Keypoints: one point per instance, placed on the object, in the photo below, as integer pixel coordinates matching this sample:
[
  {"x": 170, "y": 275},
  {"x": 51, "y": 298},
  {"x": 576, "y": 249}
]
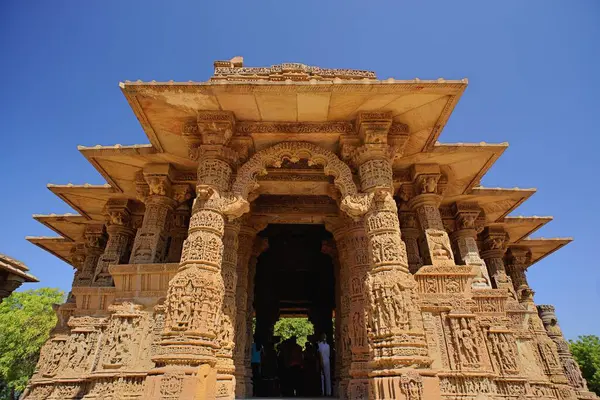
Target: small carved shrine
[{"x": 299, "y": 190}]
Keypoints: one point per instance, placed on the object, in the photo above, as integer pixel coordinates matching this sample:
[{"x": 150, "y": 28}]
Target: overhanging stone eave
[
  {"x": 50, "y": 221},
  {"x": 497, "y": 149},
  {"x": 96, "y": 155},
  {"x": 453, "y": 89},
  {"x": 62, "y": 191},
  {"x": 522, "y": 195},
  {"x": 534, "y": 224},
  {"x": 46, "y": 243},
  {"x": 541, "y": 247}
]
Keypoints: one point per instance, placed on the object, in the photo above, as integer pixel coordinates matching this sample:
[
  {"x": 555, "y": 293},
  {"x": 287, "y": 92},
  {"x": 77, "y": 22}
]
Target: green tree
[
  {"x": 299, "y": 327},
  {"x": 26, "y": 319},
  {"x": 586, "y": 350}
]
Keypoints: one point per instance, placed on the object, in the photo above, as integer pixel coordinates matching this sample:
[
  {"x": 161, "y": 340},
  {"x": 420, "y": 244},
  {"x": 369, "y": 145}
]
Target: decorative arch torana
[{"x": 353, "y": 202}]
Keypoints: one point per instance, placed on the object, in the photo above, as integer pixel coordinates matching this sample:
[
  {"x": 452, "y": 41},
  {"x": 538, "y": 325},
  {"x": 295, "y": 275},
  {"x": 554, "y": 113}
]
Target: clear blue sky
[{"x": 533, "y": 67}]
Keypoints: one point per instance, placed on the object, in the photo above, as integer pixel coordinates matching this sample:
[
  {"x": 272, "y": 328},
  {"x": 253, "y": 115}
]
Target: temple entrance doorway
[{"x": 294, "y": 288}]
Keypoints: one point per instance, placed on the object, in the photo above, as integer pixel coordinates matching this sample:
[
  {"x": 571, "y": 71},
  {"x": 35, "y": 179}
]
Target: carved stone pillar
[
  {"x": 410, "y": 235},
  {"x": 436, "y": 246},
  {"x": 397, "y": 339},
  {"x": 351, "y": 243},
  {"x": 95, "y": 240},
  {"x": 178, "y": 232},
  {"x": 150, "y": 245},
  {"x": 120, "y": 236},
  {"x": 465, "y": 239},
  {"x": 516, "y": 262},
  {"x": 243, "y": 372},
  {"x": 570, "y": 366},
  {"x": 186, "y": 362},
  {"x": 495, "y": 240},
  {"x": 260, "y": 245}
]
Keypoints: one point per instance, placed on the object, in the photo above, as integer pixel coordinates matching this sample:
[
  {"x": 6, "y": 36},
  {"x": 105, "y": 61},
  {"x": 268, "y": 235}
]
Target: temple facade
[{"x": 298, "y": 190}]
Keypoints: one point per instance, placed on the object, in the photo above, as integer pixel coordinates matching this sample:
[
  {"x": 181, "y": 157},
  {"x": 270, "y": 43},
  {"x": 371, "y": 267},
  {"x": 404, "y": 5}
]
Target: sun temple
[{"x": 294, "y": 190}]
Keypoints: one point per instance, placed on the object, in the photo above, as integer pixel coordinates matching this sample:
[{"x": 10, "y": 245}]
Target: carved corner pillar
[
  {"x": 120, "y": 236},
  {"x": 410, "y": 234},
  {"x": 396, "y": 333},
  {"x": 187, "y": 364},
  {"x": 495, "y": 241},
  {"x": 150, "y": 245},
  {"x": 352, "y": 250},
  {"x": 243, "y": 372},
  {"x": 95, "y": 241},
  {"x": 424, "y": 201},
  {"x": 465, "y": 240},
  {"x": 569, "y": 365},
  {"x": 259, "y": 246}
]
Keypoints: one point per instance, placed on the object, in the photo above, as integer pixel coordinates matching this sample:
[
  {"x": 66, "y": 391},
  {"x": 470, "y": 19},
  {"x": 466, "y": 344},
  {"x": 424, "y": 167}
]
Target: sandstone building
[{"x": 258, "y": 181}]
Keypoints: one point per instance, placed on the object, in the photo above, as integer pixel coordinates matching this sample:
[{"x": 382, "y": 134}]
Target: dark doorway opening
[{"x": 294, "y": 279}]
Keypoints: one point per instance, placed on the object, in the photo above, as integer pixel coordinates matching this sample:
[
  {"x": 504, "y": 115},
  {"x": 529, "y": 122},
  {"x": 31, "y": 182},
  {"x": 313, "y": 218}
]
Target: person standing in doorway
[{"x": 325, "y": 357}]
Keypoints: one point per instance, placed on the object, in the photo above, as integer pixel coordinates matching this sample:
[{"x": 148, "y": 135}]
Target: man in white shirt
[{"x": 324, "y": 356}]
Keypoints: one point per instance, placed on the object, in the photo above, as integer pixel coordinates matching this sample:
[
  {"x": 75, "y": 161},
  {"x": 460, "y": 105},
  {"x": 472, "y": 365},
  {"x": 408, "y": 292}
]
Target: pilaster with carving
[
  {"x": 329, "y": 248},
  {"x": 259, "y": 246},
  {"x": 150, "y": 245},
  {"x": 120, "y": 236},
  {"x": 465, "y": 240},
  {"x": 243, "y": 372},
  {"x": 352, "y": 245}
]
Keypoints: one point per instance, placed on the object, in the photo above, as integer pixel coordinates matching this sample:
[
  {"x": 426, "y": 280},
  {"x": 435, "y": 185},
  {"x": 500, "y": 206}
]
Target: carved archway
[{"x": 353, "y": 202}]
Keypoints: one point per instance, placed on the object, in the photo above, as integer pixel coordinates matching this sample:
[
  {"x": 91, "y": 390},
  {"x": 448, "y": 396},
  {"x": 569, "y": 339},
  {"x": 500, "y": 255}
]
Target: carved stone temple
[{"x": 298, "y": 190}]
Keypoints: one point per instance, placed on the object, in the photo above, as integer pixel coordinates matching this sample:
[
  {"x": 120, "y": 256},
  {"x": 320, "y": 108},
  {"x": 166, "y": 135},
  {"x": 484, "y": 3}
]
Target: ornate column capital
[
  {"x": 95, "y": 238},
  {"x": 376, "y": 137},
  {"x": 118, "y": 213},
  {"x": 465, "y": 216},
  {"x": 495, "y": 242}
]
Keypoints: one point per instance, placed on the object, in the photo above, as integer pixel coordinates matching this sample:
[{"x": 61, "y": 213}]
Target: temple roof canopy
[{"x": 164, "y": 108}]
